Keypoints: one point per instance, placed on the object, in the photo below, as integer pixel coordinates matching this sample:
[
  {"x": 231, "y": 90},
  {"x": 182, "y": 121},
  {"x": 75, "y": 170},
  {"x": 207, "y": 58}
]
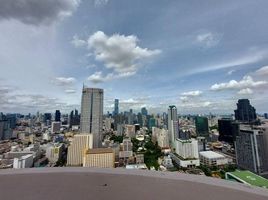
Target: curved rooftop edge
[{"x": 98, "y": 183}]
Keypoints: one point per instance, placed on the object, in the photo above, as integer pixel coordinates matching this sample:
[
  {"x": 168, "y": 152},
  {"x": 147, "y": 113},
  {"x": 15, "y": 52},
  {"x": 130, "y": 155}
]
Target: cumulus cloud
[
  {"x": 63, "y": 81},
  {"x": 262, "y": 71},
  {"x": 119, "y": 52},
  {"x": 192, "y": 93},
  {"x": 36, "y": 12},
  {"x": 245, "y": 91},
  {"x": 208, "y": 39},
  {"x": 78, "y": 42},
  {"x": 246, "y": 82}
]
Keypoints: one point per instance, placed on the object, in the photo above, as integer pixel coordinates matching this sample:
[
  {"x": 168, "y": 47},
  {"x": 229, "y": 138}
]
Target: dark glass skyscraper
[
  {"x": 116, "y": 106},
  {"x": 245, "y": 112},
  {"x": 201, "y": 125},
  {"x": 228, "y": 130},
  {"x": 144, "y": 111},
  {"x": 57, "y": 116}
]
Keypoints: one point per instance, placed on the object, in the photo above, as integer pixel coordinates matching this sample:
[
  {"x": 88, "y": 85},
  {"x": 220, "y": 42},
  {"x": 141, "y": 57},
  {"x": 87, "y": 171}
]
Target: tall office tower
[
  {"x": 251, "y": 149},
  {"x": 47, "y": 118},
  {"x": 201, "y": 125},
  {"x": 92, "y": 114},
  {"x": 57, "y": 116},
  {"x": 266, "y": 115},
  {"x": 173, "y": 126},
  {"x": 245, "y": 112},
  {"x": 228, "y": 130},
  {"x": 116, "y": 106},
  {"x": 144, "y": 111},
  {"x": 80, "y": 143}
]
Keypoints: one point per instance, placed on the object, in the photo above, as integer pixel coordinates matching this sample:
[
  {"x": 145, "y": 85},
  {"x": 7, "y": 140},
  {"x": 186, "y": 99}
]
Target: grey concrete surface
[{"x": 99, "y": 184}]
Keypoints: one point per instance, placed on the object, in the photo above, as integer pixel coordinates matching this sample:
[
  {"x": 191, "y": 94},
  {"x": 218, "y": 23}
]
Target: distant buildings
[
  {"x": 251, "y": 148},
  {"x": 74, "y": 118},
  {"x": 92, "y": 114},
  {"x": 101, "y": 157},
  {"x": 201, "y": 124},
  {"x": 144, "y": 111},
  {"x": 80, "y": 143},
  {"x": 245, "y": 112},
  {"x": 211, "y": 158}
]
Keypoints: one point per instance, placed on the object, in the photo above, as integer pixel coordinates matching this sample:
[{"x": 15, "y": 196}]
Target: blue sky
[{"x": 199, "y": 55}]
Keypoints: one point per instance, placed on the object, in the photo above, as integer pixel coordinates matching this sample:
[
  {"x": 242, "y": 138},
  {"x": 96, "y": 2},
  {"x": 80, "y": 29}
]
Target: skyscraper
[
  {"x": 57, "y": 116},
  {"x": 173, "y": 127},
  {"x": 116, "y": 106},
  {"x": 201, "y": 125},
  {"x": 251, "y": 149},
  {"x": 228, "y": 130},
  {"x": 92, "y": 114},
  {"x": 245, "y": 112},
  {"x": 144, "y": 111}
]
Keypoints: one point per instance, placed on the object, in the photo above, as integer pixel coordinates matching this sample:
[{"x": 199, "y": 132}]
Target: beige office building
[
  {"x": 76, "y": 150},
  {"x": 101, "y": 157}
]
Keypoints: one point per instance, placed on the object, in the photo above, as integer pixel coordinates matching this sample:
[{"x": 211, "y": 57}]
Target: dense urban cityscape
[
  {"x": 133, "y": 99},
  {"x": 230, "y": 147}
]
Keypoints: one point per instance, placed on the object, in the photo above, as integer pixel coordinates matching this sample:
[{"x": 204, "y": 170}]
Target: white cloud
[
  {"x": 246, "y": 59},
  {"x": 208, "y": 39},
  {"x": 70, "y": 91},
  {"x": 192, "y": 93},
  {"x": 64, "y": 81},
  {"x": 78, "y": 42},
  {"x": 36, "y": 12},
  {"x": 246, "y": 82},
  {"x": 98, "y": 77},
  {"x": 99, "y": 3},
  {"x": 245, "y": 91},
  {"x": 119, "y": 52},
  {"x": 231, "y": 72},
  {"x": 262, "y": 71}
]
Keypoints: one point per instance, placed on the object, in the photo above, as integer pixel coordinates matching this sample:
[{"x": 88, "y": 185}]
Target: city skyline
[{"x": 199, "y": 57}]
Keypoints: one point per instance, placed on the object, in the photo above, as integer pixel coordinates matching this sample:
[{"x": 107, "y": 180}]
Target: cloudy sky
[{"x": 199, "y": 55}]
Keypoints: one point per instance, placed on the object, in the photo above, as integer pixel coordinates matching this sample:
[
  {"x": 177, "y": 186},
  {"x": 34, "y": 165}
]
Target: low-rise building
[
  {"x": 101, "y": 157},
  {"x": 211, "y": 158},
  {"x": 23, "y": 162}
]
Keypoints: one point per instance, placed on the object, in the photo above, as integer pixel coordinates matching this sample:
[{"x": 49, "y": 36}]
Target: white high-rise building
[
  {"x": 173, "y": 127},
  {"x": 92, "y": 114},
  {"x": 80, "y": 143}
]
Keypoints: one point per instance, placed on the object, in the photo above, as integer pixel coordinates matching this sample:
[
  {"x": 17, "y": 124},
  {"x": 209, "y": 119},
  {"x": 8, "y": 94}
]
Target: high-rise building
[
  {"x": 57, "y": 116},
  {"x": 144, "y": 111},
  {"x": 245, "y": 112},
  {"x": 251, "y": 149},
  {"x": 55, "y": 127},
  {"x": 266, "y": 115},
  {"x": 201, "y": 125},
  {"x": 74, "y": 118},
  {"x": 173, "y": 126},
  {"x": 80, "y": 143},
  {"x": 228, "y": 130},
  {"x": 92, "y": 114},
  {"x": 116, "y": 106},
  {"x": 152, "y": 123}
]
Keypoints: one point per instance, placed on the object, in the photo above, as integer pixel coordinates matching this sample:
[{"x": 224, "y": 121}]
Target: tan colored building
[
  {"x": 101, "y": 157},
  {"x": 79, "y": 144}
]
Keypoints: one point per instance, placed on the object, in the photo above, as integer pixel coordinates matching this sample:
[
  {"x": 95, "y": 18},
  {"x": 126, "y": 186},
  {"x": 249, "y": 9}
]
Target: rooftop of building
[
  {"x": 99, "y": 151},
  {"x": 250, "y": 178},
  {"x": 211, "y": 154},
  {"x": 92, "y": 183}
]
